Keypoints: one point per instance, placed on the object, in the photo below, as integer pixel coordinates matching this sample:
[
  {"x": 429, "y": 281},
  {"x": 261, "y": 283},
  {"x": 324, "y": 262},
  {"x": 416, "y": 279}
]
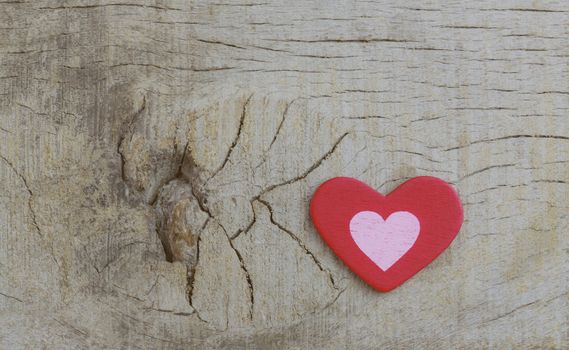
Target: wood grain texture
[{"x": 157, "y": 158}]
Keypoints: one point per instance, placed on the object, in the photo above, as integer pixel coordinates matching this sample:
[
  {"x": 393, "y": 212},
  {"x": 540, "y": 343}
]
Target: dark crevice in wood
[
  {"x": 245, "y": 271},
  {"x": 30, "y": 194},
  {"x": 299, "y": 242},
  {"x": 237, "y": 137}
]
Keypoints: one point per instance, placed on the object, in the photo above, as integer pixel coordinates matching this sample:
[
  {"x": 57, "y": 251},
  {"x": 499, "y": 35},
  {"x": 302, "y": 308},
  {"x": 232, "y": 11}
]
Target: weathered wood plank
[{"x": 207, "y": 125}]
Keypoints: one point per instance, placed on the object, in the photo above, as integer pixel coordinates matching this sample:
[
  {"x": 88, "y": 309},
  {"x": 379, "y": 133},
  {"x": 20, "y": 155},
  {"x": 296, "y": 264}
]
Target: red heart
[{"x": 357, "y": 223}]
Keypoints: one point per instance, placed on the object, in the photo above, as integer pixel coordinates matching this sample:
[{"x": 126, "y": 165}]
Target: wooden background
[{"x": 157, "y": 158}]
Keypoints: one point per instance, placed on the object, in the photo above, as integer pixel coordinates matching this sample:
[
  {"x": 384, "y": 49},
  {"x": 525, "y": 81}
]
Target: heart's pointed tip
[{"x": 383, "y": 289}]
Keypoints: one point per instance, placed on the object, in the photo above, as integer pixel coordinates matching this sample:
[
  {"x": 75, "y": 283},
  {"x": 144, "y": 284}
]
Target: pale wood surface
[{"x": 208, "y": 124}]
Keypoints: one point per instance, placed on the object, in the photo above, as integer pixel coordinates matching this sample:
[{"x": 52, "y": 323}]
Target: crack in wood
[
  {"x": 509, "y": 137},
  {"x": 129, "y": 130},
  {"x": 237, "y": 137},
  {"x": 299, "y": 242},
  {"x": 307, "y": 171},
  {"x": 30, "y": 195},
  {"x": 245, "y": 271}
]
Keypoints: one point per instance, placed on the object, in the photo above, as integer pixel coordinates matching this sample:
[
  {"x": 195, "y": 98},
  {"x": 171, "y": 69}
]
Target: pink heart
[{"x": 384, "y": 241}]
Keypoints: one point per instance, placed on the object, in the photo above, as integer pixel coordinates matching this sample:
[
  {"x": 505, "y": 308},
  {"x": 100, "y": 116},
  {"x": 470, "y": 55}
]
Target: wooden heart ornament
[{"x": 387, "y": 239}]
